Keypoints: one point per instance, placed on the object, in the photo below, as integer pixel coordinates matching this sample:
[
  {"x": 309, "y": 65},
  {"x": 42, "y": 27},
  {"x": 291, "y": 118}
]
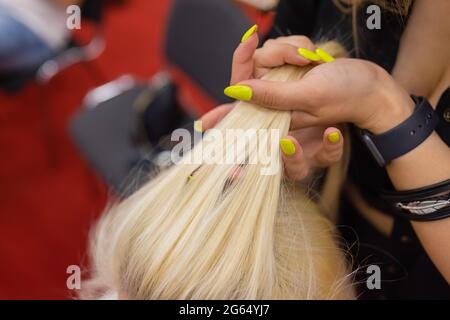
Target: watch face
[{"x": 365, "y": 136}]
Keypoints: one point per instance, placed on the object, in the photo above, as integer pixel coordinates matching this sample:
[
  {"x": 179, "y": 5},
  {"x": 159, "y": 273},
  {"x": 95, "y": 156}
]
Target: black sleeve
[{"x": 294, "y": 17}]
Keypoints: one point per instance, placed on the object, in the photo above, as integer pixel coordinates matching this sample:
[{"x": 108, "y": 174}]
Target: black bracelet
[
  {"x": 424, "y": 204},
  {"x": 405, "y": 137}
]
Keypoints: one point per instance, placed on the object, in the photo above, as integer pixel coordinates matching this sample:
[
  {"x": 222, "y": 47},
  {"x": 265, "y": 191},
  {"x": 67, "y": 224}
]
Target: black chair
[
  {"x": 201, "y": 38},
  {"x": 124, "y": 131},
  {"x": 73, "y": 53}
]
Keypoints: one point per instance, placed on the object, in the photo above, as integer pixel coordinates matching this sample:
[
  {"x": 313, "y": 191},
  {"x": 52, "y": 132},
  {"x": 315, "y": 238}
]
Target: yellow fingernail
[
  {"x": 287, "y": 146},
  {"x": 249, "y": 32},
  {"x": 307, "y": 54},
  {"x": 198, "y": 126},
  {"x": 238, "y": 92},
  {"x": 334, "y": 137},
  {"x": 324, "y": 56}
]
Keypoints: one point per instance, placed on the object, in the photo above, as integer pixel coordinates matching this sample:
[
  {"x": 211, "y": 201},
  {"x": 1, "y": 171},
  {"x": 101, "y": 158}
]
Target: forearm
[{"x": 427, "y": 164}]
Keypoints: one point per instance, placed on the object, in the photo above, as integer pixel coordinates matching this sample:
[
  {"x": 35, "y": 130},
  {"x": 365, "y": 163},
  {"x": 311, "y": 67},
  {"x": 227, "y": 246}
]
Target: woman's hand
[
  {"x": 303, "y": 149},
  {"x": 345, "y": 90}
]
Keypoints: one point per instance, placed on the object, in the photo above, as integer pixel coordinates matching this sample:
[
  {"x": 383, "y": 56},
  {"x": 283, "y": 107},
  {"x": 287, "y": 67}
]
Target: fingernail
[
  {"x": 334, "y": 137},
  {"x": 287, "y": 146},
  {"x": 324, "y": 56},
  {"x": 198, "y": 126},
  {"x": 238, "y": 92},
  {"x": 249, "y": 32},
  {"x": 307, "y": 54}
]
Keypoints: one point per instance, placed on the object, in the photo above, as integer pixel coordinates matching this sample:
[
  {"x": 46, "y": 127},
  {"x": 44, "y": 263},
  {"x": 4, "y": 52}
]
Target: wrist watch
[{"x": 403, "y": 138}]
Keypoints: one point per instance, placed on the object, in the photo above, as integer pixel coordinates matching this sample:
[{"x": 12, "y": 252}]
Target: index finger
[{"x": 242, "y": 66}]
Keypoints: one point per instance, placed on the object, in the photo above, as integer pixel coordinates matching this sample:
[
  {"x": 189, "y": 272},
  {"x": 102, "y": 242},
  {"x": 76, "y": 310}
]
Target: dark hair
[{"x": 400, "y": 7}]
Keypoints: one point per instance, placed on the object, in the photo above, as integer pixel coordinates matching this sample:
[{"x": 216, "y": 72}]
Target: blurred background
[{"x": 81, "y": 109}]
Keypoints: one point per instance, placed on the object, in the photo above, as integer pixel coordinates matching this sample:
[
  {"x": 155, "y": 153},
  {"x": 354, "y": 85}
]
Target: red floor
[{"x": 48, "y": 195}]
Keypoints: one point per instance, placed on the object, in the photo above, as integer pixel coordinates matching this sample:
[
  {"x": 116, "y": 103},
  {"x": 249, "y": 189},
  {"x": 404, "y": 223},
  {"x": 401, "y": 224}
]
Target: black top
[{"x": 322, "y": 20}]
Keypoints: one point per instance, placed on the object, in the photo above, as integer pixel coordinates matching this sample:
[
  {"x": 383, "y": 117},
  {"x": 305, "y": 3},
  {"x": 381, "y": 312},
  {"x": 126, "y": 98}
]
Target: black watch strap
[{"x": 405, "y": 137}]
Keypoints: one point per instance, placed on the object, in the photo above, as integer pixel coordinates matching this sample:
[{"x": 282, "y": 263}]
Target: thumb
[{"x": 273, "y": 94}]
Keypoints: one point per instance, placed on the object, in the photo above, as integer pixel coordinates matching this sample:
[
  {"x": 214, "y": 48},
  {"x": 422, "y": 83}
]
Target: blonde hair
[{"x": 212, "y": 237}]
